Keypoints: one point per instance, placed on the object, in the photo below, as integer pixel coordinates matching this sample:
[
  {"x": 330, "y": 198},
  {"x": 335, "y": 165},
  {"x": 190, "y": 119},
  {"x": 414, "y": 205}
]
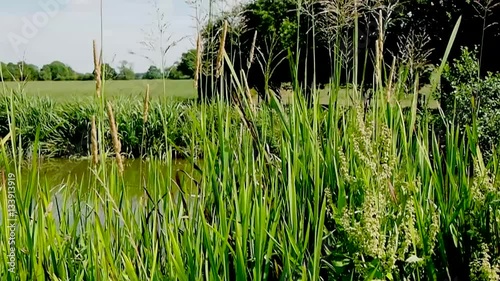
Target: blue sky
[{"x": 41, "y": 31}]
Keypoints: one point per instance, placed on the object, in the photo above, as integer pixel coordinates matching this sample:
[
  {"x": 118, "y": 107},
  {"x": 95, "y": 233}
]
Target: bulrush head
[
  {"x": 199, "y": 50},
  {"x": 220, "y": 56},
  {"x": 116, "y": 140},
  {"x": 94, "y": 149},
  {"x": 146, "y": 106},
  {"x": 97, "y": 69}
]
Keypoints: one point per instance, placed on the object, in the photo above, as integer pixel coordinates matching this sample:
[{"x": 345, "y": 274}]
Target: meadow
[{"x": 70, "y": 91}]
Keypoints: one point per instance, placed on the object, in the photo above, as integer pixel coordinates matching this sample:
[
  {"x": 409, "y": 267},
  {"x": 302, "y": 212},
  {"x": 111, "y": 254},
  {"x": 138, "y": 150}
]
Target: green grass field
[
  {"x": 75, "y": 90},
  {"x": 67, "y": 91}
]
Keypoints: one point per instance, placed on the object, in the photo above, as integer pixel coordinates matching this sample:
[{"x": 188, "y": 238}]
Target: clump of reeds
[
  {"x": 116, "y": 140},
  {"x": 97, "y": 69},
  {"x": 95, "y": 151},
  {"x": 222, "y": 50}
]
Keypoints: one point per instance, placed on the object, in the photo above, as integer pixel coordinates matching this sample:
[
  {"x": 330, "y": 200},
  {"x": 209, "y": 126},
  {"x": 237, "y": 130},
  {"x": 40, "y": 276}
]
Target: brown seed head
[
  {"x": 97, "y": 69},
  {"x": 116, "y": 140},
  {"x": 199, "y": 50},
  {"x": 222, "y": 50},
  {"x": 94, "y": 149},
  {"x": 146, "y": 106}
]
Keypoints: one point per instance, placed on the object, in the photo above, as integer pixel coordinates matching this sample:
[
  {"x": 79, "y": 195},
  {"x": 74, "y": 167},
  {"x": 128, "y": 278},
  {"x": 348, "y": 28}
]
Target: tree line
[{"x": 59, "y": 71}]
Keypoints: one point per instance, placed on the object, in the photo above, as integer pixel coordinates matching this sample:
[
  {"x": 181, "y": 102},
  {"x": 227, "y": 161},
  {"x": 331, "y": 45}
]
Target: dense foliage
[
  {"x": 467, "y": 98},
  {"x": 293, "y": 35}
]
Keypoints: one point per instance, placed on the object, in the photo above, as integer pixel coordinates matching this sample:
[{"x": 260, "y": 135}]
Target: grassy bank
[{"x": 65, "y": 128}]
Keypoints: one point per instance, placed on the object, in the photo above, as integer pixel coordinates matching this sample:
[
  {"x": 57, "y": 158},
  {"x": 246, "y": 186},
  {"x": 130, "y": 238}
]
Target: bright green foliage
[
  {"x": 57, "y": 71},
  {"x": 187, "y": 65},
  {"x": 276, "y": 18},
  {"x": 19, "y": 72},
  {"x": 153, "y": 73},
  {"x": 125, "y": 71},
  {"x": 109, "y": 72},
  {"x": 467, "y": 98}
]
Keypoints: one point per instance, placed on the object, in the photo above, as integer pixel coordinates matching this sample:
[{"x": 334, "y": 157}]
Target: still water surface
[
  {"x": 57, "y": 172},
  {"x": 59, "y": 175}
]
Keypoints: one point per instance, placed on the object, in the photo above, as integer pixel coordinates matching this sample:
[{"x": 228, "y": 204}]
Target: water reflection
[
  {"x": 64, "y": 173},
  {"x": 65, "y": 177}
]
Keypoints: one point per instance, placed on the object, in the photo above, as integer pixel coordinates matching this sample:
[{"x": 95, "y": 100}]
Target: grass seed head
[
  {"x": 97, "y": 69},
  {"x": 252, "y": 50},
  {"x": 116, "y": 140},
  {"x": 199, "y": 50},
  {"x": 220, "y": 56},
  {"x": 95, "y": 151},
  {"x": 146, "y": 106}
]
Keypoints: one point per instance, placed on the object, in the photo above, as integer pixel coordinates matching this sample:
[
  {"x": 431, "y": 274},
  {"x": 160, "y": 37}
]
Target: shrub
[{"x": 466, "y": 97}]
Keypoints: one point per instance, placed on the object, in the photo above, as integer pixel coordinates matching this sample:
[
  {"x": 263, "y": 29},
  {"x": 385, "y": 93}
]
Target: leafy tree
[
  {"x": 153, "y": 73},
  {"x": 45, "y": 73},
  {"x": 125, "y": 71},
  {"x": 466, "y": 97},
  {"x": 28, "y": 71},
  {"x": 57, "y": 71},
  {"x": 174, "y": 73},
  {"x": 21, "y": 71},
  {"x": 10, "y": 72},
  {"x": 187, "y": 65},
  {"x": 86, "y": 77},
  {"x": 110, "y": 72}
]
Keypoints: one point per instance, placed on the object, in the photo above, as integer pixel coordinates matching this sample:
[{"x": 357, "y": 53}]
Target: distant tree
[
  {"x": 27, "y": 71},
  {"x": 153, "y": 73},
  {"x": 125, "y": 71},
  {"x": 20, "y": 71},
  {"x": 174, "y": 73},
  {"x": 86, "y": 77},
  {"x": 45, "y": 73},
  {"x": 10, "y": 71},
  {"x": 187, "y": 65},
  {"x": 57, "y": 71},
  {"x": 110, "y": 72}
]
